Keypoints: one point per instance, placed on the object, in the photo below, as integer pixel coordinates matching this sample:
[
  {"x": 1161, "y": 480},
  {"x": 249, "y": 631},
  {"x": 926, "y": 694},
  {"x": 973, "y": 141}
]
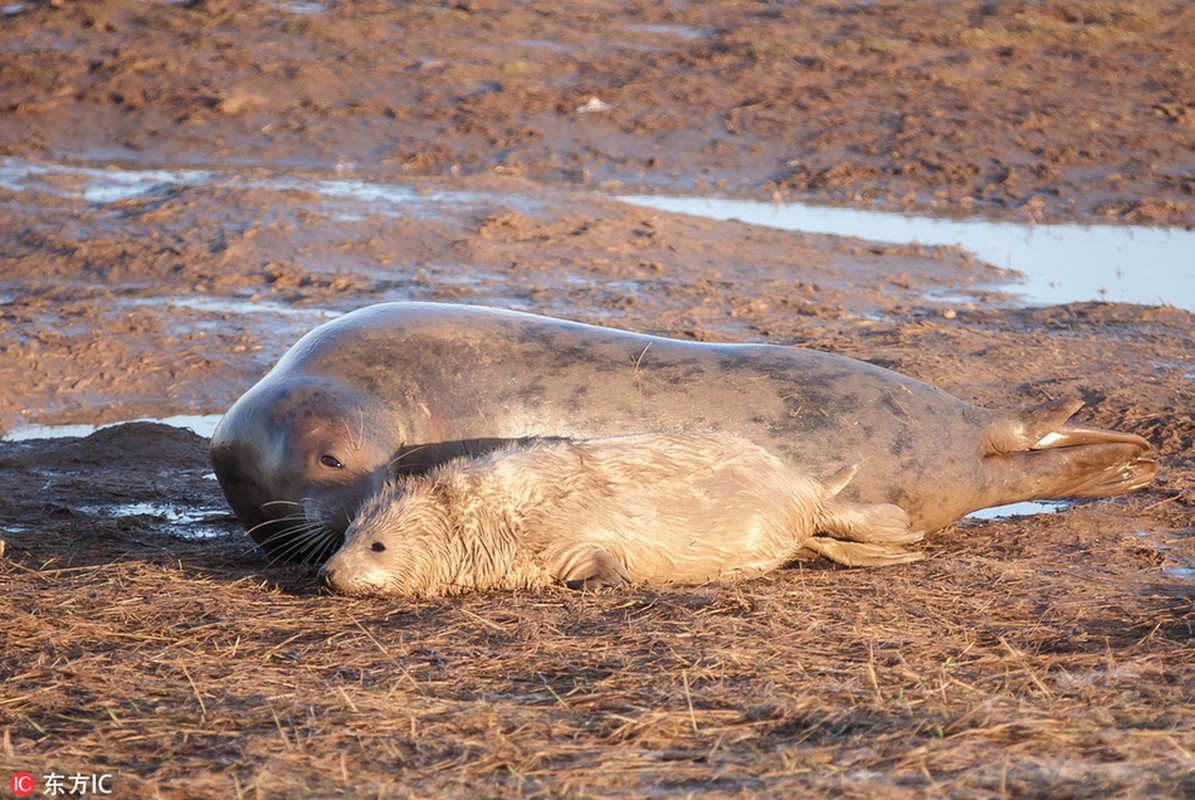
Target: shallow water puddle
[
  {"x": 1024, "y": 509},
  {"x": 200, "y": 424},
  {"x": 301, "y": 7},
  {"x": 1173, "y": 548},
  {"x": 245, "y": 306},
  {"x": 92, "y": 184},
  {"x": 1061, "y": 263},
  {"x": 680, "y": 31},
  {"x": 358, "y": 198},
  {"x": 185, "y": 523}
]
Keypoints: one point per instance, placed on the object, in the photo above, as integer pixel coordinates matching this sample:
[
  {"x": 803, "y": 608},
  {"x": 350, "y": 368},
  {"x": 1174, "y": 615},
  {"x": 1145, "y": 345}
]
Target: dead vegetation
[{"x": 1049, "y": 657}]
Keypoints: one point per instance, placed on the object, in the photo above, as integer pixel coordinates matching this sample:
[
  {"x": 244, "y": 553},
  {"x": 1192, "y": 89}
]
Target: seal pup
[
  {"x": 652, "y": 508},
  {"x": 401, "y": 387}
]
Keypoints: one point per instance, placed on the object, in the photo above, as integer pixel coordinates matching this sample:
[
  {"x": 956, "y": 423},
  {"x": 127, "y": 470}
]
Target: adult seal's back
[{"x": 400, "y": 387}]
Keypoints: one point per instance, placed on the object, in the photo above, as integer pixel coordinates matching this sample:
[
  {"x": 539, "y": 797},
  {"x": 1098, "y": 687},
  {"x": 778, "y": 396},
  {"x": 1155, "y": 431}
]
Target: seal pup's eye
[
  {"x": 378, "y": 547},
  {"x": 331, "y": 462}
]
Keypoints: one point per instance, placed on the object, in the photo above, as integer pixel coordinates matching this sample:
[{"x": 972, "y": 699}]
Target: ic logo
[{"x": 22, "y": 784}]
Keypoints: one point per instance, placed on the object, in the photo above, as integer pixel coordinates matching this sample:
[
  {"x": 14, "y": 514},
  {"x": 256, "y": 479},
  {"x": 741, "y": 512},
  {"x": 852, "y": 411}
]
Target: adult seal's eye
[{"x": 331, "y": 462}]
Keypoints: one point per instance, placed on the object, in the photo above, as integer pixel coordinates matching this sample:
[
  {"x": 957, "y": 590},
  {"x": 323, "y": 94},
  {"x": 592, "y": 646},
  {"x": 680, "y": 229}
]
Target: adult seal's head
[{"x": 296, "y": 455}]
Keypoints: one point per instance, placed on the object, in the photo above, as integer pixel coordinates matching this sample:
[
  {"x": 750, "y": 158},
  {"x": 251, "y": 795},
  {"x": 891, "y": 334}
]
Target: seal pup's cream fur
[{"x": 650, "y": 508}]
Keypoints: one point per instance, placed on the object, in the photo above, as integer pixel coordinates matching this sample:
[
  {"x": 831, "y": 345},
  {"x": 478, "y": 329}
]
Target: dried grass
[
  {"x": 1022, "y": 659},
  {"x": 1048, "y": 656}
]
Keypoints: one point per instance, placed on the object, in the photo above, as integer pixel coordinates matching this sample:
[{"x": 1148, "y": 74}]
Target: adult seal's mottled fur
[
  {"x": 652, "y": 508},
  {"x": 401, "y": 387}
]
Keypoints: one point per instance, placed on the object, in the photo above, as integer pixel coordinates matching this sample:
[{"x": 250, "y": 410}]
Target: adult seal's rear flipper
[{"x": 1038, "y": 455}]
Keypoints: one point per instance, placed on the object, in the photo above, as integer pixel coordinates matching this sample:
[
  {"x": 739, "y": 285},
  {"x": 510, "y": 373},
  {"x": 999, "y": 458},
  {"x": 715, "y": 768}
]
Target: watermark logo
[{"x": 22, "y": 784}]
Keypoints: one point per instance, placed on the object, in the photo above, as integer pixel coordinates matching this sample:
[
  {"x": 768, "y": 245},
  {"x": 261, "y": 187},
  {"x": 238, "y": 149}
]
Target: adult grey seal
[
  {"x": 401, "y": 387},
  {"x": 652, "y": 508}
]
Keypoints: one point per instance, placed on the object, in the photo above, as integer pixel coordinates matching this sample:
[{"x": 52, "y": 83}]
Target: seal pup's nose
[{"x": 326, "y": 577}]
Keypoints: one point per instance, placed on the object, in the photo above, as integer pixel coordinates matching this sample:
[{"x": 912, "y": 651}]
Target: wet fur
[{"x": 635, "y": 509}]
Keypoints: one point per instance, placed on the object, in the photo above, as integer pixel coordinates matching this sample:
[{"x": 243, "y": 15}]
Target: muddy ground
[{"x": 185, "y": 188}]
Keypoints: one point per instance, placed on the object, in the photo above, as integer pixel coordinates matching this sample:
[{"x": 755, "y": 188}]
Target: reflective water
[
  {"x": 1061, "y": 263},
  {"x": 302, "y": 7},
  {"x": 92, "y": 184},
  {"x": 1025, "y": 509},
  {"x": 681, "y": 31},
  {"x": 99, "y": 186},
  {"x": 230, "y": 305},
  {"x": 187, "y": 522},
  {"x": 1175, "y": 550},
  {"x": 184, "y": 522}
]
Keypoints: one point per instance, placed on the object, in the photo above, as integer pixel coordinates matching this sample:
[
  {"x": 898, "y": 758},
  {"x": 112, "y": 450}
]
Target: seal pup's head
[
  {"x": 453, "y": 530},
  {"x": 403, "y": 541}
]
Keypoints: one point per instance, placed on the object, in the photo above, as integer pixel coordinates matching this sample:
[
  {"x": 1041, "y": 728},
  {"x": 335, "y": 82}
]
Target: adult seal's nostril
[{"x": 402, "y": 387}]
